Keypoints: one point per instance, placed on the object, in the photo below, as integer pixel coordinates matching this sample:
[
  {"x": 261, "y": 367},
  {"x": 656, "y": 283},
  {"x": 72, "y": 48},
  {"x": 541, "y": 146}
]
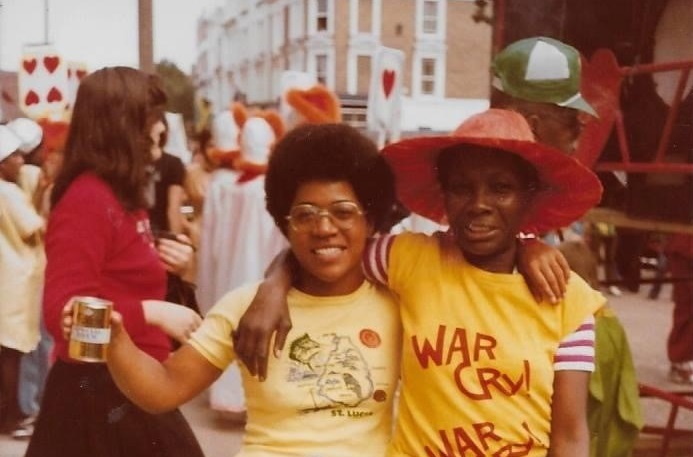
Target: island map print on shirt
[{"x": 331, "y": 370}]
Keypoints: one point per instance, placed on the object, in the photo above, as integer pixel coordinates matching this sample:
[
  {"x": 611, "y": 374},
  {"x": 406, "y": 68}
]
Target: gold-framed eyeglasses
[{"x": 343, "y": 215}]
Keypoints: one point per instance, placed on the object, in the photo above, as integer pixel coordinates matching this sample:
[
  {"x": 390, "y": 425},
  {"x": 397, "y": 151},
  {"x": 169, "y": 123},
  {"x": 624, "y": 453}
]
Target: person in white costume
[{"x": 238, "y": 238}]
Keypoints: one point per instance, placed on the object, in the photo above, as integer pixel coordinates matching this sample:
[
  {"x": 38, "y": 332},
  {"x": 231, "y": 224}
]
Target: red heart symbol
[
  {"x": 388, "y": 81},
  {"x": 51, "y": 63},
  {"x": 81, "y": 74},
  {"x": 29, "y": 65},
  {"x": 601, "y": 87},
  {"x": 31, "y": 98},
  {"x": 54, "y": 95}
]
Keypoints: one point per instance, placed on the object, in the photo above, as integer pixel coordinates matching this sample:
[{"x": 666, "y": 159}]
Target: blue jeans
[{"x": 33, "y": 370}]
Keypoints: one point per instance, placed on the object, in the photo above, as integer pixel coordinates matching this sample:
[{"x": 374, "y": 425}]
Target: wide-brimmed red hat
[{"x": 568, "y": 188}]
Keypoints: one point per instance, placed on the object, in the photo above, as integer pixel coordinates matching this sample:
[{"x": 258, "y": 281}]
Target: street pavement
[{"x": 647, "y": 324}]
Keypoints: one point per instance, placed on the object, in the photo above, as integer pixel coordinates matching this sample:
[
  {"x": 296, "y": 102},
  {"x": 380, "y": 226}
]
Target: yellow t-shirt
[
  {"x": 477, "y": 360},
  {"x": 331, "y": 391}
]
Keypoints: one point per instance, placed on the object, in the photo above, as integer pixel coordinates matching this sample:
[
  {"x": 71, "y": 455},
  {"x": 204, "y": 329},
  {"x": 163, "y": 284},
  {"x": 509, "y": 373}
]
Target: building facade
[{"x": 245, "y": 45}]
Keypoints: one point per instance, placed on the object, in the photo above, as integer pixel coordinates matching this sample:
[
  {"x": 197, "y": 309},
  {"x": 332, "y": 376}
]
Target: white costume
[{"x": 238, "y": 240}]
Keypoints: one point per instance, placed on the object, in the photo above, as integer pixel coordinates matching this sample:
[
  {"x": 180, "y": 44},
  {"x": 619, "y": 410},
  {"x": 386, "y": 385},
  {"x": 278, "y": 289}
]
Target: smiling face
[
  {"x": 486, "y": 198},
  {"x": 329, "y": 257}
]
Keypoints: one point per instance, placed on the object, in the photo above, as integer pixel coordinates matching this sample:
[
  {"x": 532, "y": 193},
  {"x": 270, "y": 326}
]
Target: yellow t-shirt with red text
[{"x": 478, "y": 353}]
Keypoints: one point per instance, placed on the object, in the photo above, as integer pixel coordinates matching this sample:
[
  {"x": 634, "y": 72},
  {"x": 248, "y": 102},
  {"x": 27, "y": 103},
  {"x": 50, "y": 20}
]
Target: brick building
[{"x": 244, "y": 46}]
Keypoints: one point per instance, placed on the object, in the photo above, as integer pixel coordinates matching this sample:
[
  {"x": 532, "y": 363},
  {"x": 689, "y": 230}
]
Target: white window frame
[
  {"x": 428, "y": 78},
  {"x": 353, "y": 70},
  {"x": 440, "y": 16},
  {"x": 429, "y": 20},
  {"x": 314, "y": 15},
  {"x": 321, "y": 76},
  {"x": 295, "y": 21},
  {"x": 312, "y": 64},
  {"x": 277, "y": 31},
  {"x": 376, "y": 17},
  {"x": 438, "y": 77}
]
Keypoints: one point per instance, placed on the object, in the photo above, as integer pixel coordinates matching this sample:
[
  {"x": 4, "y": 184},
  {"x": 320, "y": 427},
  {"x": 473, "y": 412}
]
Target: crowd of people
[{"x": 442, "y": 364}]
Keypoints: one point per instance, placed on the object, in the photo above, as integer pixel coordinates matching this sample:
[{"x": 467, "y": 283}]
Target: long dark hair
[{"x": 109, "y": 132}]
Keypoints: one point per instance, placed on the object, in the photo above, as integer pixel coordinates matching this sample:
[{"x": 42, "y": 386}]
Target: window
[
  {"x": 363, "y": 74},
  {"x": 428, "y": 76},
  {"x": 321, "y": 68},
  {"x": 355, "y": 116},
  {"x": 321, "y": 15},
  {"x": 430, "y": 17},
  {"x": 365, "y": 16}
]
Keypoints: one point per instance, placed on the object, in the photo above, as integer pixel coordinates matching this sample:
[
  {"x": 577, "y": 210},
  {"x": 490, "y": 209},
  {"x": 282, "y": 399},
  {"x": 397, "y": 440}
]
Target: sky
[{"x": 100, "y": 33}]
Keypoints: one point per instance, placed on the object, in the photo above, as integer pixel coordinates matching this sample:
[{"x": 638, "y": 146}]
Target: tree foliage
[{"x": 179, "y": 89}]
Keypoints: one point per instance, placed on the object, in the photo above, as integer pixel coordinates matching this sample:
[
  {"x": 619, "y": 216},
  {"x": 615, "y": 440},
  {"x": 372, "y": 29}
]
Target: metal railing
[{"x": 658, "y": 164}]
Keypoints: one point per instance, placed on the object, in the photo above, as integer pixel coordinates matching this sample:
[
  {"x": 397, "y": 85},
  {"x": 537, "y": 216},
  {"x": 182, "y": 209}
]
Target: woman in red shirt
[{"x": 99, "y": 243}]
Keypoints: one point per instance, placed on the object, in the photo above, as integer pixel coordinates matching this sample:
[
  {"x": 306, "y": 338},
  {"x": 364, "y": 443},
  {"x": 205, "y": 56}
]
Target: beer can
[{"x": 91, "y": 329}]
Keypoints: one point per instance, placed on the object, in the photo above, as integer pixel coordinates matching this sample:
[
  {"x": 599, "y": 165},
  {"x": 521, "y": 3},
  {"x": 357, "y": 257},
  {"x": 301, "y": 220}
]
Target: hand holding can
[{"x": 91, "y": 329}]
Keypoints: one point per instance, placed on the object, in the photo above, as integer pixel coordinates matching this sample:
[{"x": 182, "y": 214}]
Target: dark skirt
[{"x": 83, "y": 414}]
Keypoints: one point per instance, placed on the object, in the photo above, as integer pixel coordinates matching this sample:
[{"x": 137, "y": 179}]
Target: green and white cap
[{"x": 541, "y": 69}]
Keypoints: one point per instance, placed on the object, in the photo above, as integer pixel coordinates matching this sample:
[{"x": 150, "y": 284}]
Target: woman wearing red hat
[
  {"x": 496, "y": 371},
  {"x": 485, "y": 369}
]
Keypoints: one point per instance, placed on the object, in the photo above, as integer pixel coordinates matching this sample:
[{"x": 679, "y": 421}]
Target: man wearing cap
[
  {"x": 540, "y": 78},
  {"x": 21, "y": 275}
]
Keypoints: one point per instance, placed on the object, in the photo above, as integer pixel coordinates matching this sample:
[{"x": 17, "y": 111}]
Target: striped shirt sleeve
[
  {"x": 376, "y": 258},
  {"x": 576, "y": 351}
]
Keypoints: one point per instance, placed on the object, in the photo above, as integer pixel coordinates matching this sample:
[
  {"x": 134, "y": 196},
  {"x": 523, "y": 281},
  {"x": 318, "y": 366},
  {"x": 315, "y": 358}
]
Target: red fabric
[
  {"x": 601, "y": 87},
  {"x": 680, "y": 244},
  {"x": 54, "y": 135},
  {"x": 680, "y": 260},
  {"x": 250, "y": 171},
  {"x": 95, "y": 248},
  {"x": 572, "y": 189},
  {"x": 225, "y": 159},
  {"x": 680, "y": 340}
]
